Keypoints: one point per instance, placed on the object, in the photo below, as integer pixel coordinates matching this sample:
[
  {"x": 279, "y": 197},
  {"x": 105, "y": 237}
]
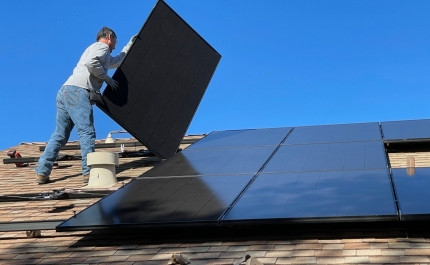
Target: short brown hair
[{"x": 105, "y": 32}]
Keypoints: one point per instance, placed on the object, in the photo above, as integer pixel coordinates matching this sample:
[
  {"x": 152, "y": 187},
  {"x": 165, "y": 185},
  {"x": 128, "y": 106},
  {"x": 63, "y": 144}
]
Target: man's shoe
[
  {"x": 86, "y": 178},
  {"x": 42, "y": 179}
]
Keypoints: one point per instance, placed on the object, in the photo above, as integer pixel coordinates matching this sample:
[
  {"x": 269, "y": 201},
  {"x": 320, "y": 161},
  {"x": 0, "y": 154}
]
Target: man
[{"x": 73, "y": 101}]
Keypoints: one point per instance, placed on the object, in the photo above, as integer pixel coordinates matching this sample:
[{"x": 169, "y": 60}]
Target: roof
[{"x": 377, "y": 243}]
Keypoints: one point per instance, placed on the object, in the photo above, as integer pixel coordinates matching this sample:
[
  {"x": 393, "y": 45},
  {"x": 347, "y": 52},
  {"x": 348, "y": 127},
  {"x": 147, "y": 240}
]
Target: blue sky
[{"x": 284, "y": 62}]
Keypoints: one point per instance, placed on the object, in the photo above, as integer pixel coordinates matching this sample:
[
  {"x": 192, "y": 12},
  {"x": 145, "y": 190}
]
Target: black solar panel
[
  {"x": 312, "y": 196},
  {"x": 162, "y": 81},
  {"x": 405, "y": 130},
  {"x": 413, "y": 192},
  {"x": 335, "y": 133},
  {"x": 214, "y": 162},
  {"x": 162, "y": 201},
  {"x": 328, "y": 157},
  {"x": 241, "y": 138}
]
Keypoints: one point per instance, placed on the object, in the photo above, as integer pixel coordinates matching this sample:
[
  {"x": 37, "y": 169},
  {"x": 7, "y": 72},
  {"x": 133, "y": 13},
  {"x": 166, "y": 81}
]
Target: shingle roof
[
  {"x": 377, "y": 243},
  {"x": 270, "y": 245}
]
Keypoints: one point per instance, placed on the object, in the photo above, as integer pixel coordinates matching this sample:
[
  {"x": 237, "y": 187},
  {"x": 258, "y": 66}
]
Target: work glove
[
  {"x": 130, "y": 42},
  {"x": 96, "y": 97},
  {"x": 112, "y": 83}
]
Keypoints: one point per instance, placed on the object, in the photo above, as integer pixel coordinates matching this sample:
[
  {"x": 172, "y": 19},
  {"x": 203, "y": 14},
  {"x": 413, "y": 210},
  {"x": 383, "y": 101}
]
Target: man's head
[{"x": 108, "y": 36}]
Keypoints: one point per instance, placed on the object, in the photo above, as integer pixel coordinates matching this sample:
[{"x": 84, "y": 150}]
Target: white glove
[
  {"x": 130, "y": 42},
  {"x": 112, "y": 83}
]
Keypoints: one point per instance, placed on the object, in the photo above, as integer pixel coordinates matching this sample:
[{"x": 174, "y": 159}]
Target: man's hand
[
  {"x": 112, "y": 83},
  {"x": 130, "y": 42},
  {"x": 133, "y": 38}
]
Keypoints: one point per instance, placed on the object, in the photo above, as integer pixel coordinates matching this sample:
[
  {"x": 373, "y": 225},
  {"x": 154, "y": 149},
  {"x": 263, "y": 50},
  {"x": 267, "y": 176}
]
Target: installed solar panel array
[
  {"x": 162, "y": 81},
  {"x": 257, "y": 176}
]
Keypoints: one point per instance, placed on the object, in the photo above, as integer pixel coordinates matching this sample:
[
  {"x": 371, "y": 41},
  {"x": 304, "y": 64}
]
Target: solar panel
[
  {"x": 335, "y": 133},
  {"x": 213, "y": 162},
  {"x": 328, "y": 157},
  {"x": 162, "y": 201},
  {"x": 316, "y": 196},
  {"x": 162, "y": 81},
  {"x": 242, "y": 138},
  {"x": 413, "y": 192},
  {"x": 405, "y": 130}
]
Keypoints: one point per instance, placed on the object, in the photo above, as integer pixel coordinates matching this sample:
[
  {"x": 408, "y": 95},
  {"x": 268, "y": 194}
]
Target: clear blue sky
[{"x": 284, "y": 62}]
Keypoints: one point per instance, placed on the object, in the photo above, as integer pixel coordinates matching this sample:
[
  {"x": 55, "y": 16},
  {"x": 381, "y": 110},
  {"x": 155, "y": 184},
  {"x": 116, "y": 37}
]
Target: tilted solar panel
[{"x": 162, "y": 81}]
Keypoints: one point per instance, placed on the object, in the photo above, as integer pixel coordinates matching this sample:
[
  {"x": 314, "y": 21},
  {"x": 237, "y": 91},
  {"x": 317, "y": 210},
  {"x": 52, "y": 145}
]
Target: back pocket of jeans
[{"x": 71, "y": 97}]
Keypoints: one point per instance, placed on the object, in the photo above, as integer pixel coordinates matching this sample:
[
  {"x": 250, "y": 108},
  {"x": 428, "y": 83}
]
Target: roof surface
[{"x": 375, "y": 243}]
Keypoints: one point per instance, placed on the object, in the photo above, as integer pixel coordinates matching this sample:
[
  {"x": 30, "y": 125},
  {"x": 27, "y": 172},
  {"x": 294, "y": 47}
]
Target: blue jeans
[{"x": 73, "y": 108}]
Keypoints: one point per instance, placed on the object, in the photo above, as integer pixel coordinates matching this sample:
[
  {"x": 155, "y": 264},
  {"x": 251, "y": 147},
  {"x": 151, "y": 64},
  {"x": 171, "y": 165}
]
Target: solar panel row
[{"x": 257, "y": 176}]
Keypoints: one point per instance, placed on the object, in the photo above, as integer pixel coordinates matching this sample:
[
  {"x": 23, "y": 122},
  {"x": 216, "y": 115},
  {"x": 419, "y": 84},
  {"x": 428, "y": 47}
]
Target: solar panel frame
[{"x": 162, "y": 81}]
